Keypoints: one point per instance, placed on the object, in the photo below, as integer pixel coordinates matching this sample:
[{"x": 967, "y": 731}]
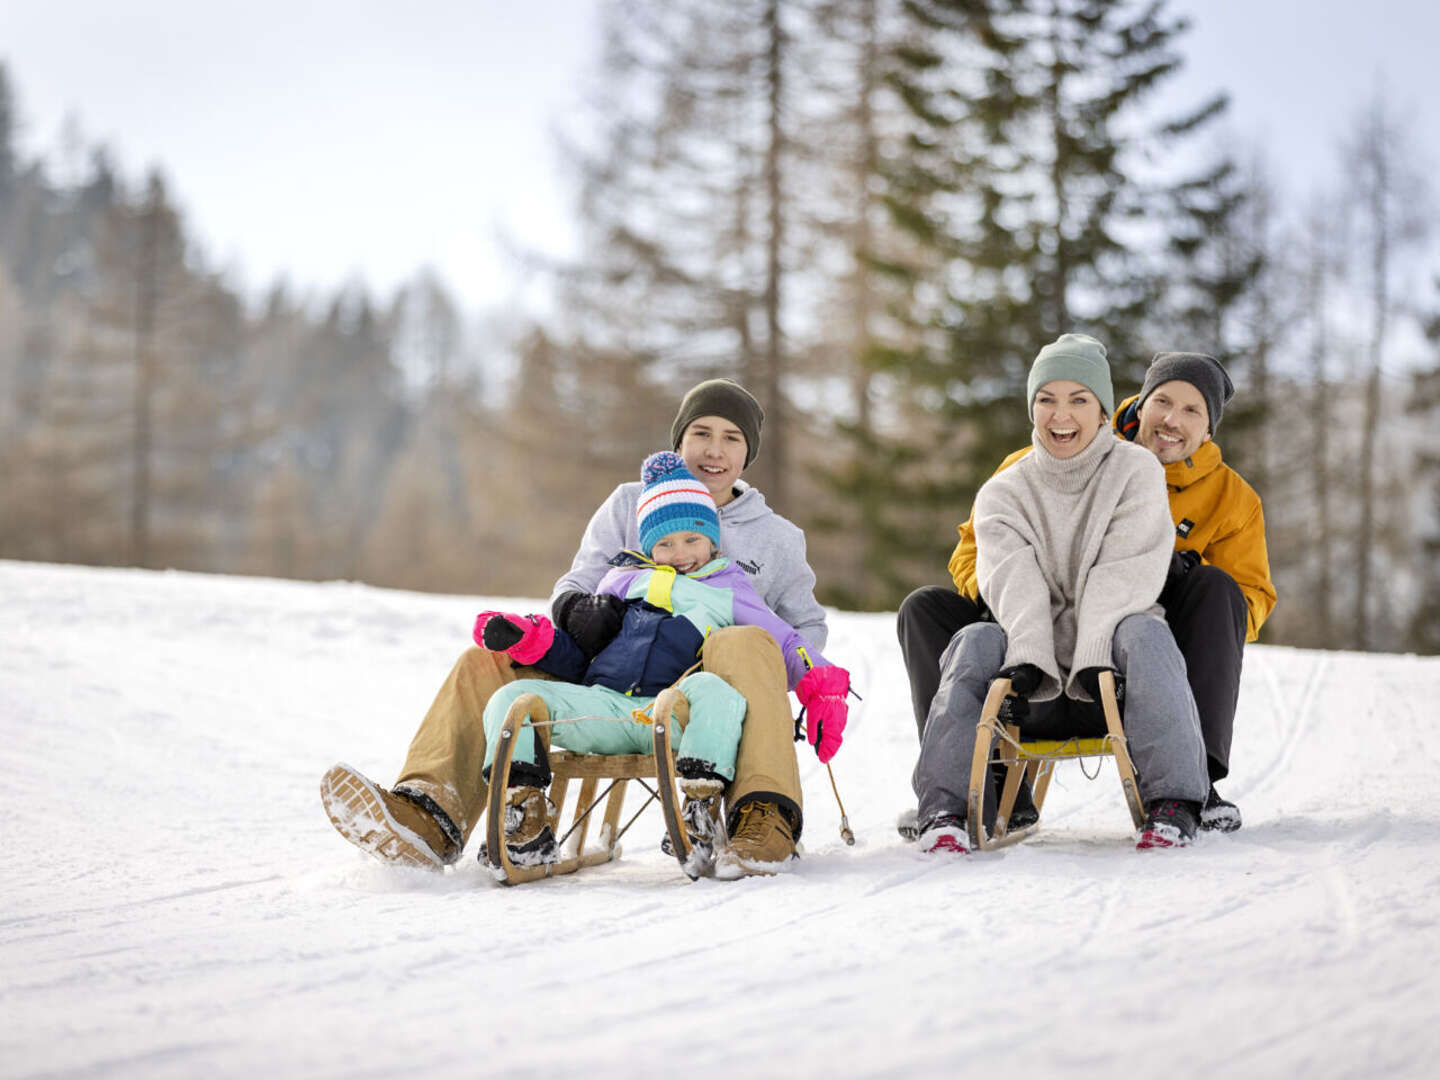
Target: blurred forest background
[{"x": 870, "y": 212}]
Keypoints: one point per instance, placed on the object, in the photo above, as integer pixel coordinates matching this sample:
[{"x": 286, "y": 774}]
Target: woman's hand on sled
[{"x": 1024, "y": 678}]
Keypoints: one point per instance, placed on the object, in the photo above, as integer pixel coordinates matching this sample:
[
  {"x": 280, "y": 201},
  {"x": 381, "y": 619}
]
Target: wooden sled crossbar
[
  {"x": 1035, "y": 760},
  {"x": 590, "y": 770}
]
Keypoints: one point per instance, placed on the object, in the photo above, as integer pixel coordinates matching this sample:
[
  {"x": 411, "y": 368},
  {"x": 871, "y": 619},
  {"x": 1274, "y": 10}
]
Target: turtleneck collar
[{"x": 1071, "y": 474}]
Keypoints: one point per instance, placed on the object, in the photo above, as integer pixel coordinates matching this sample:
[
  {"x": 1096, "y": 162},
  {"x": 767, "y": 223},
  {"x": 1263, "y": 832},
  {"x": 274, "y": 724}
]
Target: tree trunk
[
  {"x": 147, "y": 294},
  {"x": 1370, "y": 425},
  {"x": 775, "y": 448},
  {"x": 1321, "y": 430},
  {"x": 1059, "y": 305}
]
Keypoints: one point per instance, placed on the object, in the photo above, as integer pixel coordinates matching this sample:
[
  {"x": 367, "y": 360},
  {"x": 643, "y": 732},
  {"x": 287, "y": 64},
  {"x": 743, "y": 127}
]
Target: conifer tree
[
  {"x": 1389, "y": 193},
  {"x": 1024, "y": 175},
  {"x": 1424, "y": 401},
  {"x": 696, "y": 203},
  {"x": 9, "y": 177}
]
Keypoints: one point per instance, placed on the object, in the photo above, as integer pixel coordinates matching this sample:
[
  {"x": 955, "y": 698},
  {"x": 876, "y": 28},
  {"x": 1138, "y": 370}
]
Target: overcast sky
[{"x": 362, "y": 138}]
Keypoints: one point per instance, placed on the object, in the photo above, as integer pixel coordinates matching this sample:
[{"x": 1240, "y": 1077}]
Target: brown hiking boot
[
  {"x": 380, "y": 823},
  {"x": 763, "y": 843}
]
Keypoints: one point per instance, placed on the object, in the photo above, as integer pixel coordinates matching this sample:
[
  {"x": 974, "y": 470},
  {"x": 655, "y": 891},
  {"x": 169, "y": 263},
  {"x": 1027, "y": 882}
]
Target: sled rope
[
  {"x": 643, "y": 715},
  {"x": 1110, "y": 741}
]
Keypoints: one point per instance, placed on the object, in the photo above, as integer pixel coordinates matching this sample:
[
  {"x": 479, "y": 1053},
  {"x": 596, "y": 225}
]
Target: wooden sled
[
  {"x": 1036, "y": 760},
  {"x": 590, "y": 770}
]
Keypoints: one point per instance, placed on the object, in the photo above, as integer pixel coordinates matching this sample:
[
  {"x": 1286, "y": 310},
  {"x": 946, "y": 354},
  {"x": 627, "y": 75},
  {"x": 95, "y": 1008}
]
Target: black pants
[{"x": 1205, "y": 610}]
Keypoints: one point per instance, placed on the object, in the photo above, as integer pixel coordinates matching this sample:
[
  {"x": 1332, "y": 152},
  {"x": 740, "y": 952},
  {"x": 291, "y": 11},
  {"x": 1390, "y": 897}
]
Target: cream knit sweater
[{"x": 1066, "y": 548}]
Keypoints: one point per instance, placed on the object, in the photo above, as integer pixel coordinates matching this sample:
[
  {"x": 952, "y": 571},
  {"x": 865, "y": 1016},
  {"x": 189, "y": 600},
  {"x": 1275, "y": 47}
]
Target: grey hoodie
[{"x": 767, "y": 546}]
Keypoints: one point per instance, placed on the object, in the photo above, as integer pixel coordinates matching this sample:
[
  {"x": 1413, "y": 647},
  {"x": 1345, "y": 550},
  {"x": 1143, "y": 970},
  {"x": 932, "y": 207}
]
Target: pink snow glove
[
  {"x": 822, "y": 691},
  {"x": 524, "y": 638}
]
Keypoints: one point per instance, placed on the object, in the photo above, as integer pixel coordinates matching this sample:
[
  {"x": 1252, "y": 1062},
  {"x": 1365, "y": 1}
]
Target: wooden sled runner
[
  {"x": 1036, "y": 759},
  {"x": 590, "y": 770}
]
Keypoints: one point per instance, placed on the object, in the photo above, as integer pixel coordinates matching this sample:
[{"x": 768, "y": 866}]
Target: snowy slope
[{"x": 173, "y": 902}]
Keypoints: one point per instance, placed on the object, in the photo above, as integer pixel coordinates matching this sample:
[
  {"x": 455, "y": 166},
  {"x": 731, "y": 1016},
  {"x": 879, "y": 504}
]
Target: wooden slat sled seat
[{"x": 1036, "y": 759}]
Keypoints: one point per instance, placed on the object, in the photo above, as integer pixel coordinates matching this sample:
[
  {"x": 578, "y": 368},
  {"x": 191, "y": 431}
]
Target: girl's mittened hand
[
  {"x": 524, "y": 638},
  {"x": 822, "y": 692}
]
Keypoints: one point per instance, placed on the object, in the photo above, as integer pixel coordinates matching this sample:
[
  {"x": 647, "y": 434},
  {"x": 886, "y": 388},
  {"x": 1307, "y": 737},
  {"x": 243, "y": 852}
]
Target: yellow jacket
[{"x": 1216, "y": 513}]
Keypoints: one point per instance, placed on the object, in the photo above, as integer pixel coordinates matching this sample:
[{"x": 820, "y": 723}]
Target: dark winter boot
[
  {"x": 1024, "y": 814},
  {"x": 705, "y": 832},
  {"x": 908, "y": 824},
  {"x": 945, "y": 835},
  {"x": 1169, "y": 823},
  {"x": 529, "y": 840},
  {"x": 1220, "y": 814}
]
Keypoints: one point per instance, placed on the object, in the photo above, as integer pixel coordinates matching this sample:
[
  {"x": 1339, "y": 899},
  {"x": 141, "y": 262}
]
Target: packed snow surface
[{"x": 176, "y": 904}]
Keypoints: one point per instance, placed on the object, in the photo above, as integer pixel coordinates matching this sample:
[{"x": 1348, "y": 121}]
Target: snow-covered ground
[{"x": 173, "y": 901}]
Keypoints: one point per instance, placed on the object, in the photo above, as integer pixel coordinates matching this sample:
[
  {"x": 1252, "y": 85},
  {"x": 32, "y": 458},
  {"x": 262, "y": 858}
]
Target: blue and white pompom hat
[{"x": 672, "y": 500}]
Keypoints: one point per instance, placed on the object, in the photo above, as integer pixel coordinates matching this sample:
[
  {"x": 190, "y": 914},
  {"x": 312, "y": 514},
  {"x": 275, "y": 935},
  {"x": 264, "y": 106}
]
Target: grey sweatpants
[{"x": 1160, "y": 722}]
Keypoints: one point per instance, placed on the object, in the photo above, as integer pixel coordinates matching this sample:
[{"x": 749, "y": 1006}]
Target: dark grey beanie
[
  {"x": 1200, "y": 371},
  {"x": 724, "y": 398}
]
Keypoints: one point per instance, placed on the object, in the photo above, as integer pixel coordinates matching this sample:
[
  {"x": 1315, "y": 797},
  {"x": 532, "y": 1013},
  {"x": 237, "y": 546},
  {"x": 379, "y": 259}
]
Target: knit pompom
[{"x": 659, "y": 464}]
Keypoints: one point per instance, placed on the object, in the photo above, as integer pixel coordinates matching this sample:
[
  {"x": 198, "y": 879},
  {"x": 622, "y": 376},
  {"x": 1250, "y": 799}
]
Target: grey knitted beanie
[{"x": 1200, "y": 371}]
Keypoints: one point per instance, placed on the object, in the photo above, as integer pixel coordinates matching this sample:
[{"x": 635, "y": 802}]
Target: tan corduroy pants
[{"x": 448, "y": 751}]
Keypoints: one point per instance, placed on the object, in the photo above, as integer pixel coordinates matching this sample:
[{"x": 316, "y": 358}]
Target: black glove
[
  {"x": 1182, "y": 562},
  {"x": 1024, "y": 681},
  {"x": 591, "y": 619},
  {"x": 1024, "y": 678},
  {"x": 1089, "y": 680}
]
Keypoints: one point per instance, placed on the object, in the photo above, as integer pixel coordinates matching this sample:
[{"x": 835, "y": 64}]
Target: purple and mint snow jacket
[
  {"x": 667, "y": 618},
  {"x": 770, "y": 549}
]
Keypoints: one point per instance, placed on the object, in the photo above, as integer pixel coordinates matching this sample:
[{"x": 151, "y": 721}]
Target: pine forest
[{"x": 872, "y": 213}]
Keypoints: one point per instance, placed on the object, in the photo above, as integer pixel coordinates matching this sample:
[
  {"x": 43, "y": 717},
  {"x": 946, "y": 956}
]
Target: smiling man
[{"x": 1218, "y": 592}]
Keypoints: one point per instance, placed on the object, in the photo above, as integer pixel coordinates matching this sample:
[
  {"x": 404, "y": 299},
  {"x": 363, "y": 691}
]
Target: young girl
[
  {"x": 1073, "y": 544},
  {"x": 675, "y": 592}
]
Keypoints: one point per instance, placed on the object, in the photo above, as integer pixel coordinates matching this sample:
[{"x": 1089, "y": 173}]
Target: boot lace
[{"x": 755, "y": 819}]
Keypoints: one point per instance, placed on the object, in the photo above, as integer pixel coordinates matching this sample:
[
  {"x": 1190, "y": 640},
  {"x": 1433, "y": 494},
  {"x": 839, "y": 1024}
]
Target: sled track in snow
[{"x": 1294, "y": 720}]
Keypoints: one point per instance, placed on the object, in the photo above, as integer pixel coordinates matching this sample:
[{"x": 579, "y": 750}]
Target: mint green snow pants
[{"x": 594, "y": 720}]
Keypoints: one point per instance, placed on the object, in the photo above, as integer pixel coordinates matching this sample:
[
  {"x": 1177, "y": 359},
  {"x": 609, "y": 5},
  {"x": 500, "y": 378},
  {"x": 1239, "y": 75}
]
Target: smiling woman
[
  {"x": 1069, "y": 393},
  {"x": 1067, "y": 416}
]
